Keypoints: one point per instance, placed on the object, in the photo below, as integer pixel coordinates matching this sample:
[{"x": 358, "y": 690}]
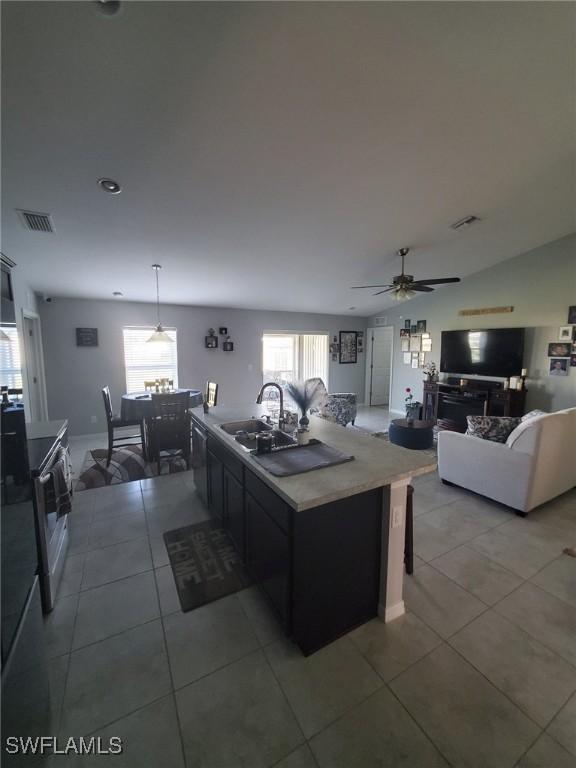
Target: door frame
[
  {"x": 38, "y": 351},
  {"x": 368, "y": 373}
]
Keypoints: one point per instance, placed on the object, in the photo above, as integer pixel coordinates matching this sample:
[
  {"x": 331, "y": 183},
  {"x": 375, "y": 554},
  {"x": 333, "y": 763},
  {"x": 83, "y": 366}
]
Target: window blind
[
  {"x": 149, "y": 361},
  {"x": 10, "y": 362}
]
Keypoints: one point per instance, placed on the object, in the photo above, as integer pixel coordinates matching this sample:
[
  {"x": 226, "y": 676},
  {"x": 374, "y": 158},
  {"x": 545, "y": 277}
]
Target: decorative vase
[
  {"x": 409, "y": 418},
  {"x": 304, "y": 421}
]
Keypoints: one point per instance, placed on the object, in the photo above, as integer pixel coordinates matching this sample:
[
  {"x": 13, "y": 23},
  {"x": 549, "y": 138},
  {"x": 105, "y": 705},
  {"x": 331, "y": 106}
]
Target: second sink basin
[
  {"x": 248, "y": 425},
  {"x": 280, "y": 440}
]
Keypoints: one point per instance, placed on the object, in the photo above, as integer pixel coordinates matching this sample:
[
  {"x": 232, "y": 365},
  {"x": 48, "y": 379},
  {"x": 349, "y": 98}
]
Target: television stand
[{"x": 448, "y": 404}]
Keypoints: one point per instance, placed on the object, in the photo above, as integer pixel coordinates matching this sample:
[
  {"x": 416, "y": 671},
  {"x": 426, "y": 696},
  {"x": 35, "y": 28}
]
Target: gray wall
[
  {"x": 24, "y": 299},
  {"x": 76, "y": 375},
  {"x": 540, "y": 285}
]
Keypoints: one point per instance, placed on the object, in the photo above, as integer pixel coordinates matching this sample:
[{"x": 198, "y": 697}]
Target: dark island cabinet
[
  {"x": 234, "y": 515},
  {"x": 215, "y": 485},
  {"x": 319, "y": 568},
  {"x": 268, "y": 557}
]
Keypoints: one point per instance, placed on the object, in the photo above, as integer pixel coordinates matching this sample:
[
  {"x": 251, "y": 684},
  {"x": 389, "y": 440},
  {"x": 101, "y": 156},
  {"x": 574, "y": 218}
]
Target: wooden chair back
[
  {"x": 107, "y": 404},
  {"x": 211, "y": 394}
]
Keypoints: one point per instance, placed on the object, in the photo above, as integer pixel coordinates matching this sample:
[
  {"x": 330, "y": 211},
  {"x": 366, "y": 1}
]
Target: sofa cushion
[
  {"x": 495, "y": 428},
  {"x": 533, "y": 414}
]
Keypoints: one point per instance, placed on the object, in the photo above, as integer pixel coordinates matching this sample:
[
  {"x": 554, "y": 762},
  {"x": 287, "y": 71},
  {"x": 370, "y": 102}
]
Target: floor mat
[
  {"x": 205, "y": 564},
  {"x": 127, "y": 465}
]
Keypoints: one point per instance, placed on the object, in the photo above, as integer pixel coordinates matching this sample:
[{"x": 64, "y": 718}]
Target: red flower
[{"x": 408, "y": 389}]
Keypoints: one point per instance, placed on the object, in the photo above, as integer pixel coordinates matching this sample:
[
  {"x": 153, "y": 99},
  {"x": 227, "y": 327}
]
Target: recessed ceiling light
[
  {"x": 117, "y": 293},
  {"x": 465, "y": 222},
  {"x": 110, "y": 186}
]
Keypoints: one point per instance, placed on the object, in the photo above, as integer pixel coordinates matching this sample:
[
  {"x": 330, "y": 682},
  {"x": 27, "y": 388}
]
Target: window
[
  {"x": 10, "y": 364},
  {"x": 149, "y": 361},
  {"x": 288, "y": 357}
]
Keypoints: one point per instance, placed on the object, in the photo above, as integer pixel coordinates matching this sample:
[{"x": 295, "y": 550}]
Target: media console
[{"x": 448, "y": 403}]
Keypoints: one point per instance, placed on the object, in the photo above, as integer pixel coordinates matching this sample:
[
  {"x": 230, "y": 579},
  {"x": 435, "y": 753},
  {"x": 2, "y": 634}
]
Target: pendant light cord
[{"x": 157, "y": 298}]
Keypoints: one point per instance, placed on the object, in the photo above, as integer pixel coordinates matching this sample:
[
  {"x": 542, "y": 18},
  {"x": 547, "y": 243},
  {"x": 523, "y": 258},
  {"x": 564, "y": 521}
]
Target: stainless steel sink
[
  {"x": 248, "y": 425},
  {"x": 280, "y": 440}
]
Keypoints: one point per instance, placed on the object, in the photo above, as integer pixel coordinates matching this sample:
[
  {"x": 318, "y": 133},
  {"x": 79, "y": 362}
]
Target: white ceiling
[{"x": 273, "y": 154}]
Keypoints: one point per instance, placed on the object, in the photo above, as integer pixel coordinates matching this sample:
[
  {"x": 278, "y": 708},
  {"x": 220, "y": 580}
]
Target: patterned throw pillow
[{"x": 495, "y": 428}]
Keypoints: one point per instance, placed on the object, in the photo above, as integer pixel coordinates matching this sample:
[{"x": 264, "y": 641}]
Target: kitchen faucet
[{"x": 281, "y": 391}]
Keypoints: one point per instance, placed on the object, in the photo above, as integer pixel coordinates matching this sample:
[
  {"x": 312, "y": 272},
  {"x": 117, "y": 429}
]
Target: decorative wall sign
[
  {"x": 426, "y": 344},
  {"x": 421, "y": 359},
  {"x": 405, "y": 344},
  {"x": 557, "y": 349},
  {"x": 572, "y": 315},
  {"x": 414, "y": 359},
  {"x": 559, "y": 366},
  {"x": 407, "y": 357},
  {"x": 86, "y": 337},
  {"x": 421, "y": 326},
  {"x": 211, "y": 341},
  {"x": 407, "y": 324},
  {"x": 228, "y": 346},
  {"x": 565, "y": 333},
  {"x": 486, "y": 311},
  {"x": 415, "y": 343},
  {"x": 413, "y": 329},
  {"x": 360, "y": 342},
  {"x": 348, "y": 347}
]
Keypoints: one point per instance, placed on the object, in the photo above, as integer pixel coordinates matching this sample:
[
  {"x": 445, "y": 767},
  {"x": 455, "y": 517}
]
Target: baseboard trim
[{"x": 392, "y": 612}]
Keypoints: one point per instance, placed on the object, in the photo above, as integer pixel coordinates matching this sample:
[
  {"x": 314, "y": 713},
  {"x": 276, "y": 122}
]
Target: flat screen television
[{"x": 486, "y": 352}]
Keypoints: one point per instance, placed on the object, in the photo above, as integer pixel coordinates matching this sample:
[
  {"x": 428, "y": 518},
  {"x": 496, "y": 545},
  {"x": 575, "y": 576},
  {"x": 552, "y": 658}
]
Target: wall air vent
[{"x": 36, "y": 222}]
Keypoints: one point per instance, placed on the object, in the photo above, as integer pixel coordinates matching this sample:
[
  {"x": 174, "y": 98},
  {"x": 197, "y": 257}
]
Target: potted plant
[
  {"x": 431, "y": 372},
  {"x": 412, "y": 407}
]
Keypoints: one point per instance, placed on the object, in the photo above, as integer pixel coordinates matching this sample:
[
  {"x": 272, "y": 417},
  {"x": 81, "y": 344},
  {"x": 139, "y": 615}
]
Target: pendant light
[{"x": 159, "y": 333}]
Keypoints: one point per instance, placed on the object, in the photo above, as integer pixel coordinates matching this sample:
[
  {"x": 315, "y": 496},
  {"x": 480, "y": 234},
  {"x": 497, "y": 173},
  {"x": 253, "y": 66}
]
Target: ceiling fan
[{"x": 404, "y": 286}]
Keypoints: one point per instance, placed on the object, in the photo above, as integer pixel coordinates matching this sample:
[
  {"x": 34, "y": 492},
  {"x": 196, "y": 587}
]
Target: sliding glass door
[{"x": 288, "y": 357}]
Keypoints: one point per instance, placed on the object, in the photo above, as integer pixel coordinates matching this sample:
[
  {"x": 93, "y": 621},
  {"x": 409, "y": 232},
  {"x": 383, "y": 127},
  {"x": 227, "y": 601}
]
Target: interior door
[{"x": 381, "y": 365}]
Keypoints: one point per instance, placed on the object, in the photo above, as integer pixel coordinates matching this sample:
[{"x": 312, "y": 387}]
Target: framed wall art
[
  {"x": 86, "y": 337},
  {"x": 348, "y": 347}
]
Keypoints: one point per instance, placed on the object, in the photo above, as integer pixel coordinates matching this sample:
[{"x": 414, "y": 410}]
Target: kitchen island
[{"x": 326, "y": 546}]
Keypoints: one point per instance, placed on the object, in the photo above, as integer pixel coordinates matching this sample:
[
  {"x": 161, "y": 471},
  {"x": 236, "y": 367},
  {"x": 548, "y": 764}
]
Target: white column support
[{"x": 391, "y": 603}]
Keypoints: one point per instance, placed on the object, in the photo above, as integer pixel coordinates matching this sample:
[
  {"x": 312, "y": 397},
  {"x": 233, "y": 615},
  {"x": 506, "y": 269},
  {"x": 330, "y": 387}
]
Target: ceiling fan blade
[
  {"x": 384, "y": 285},
  {"x": 437, "y": 281},
  {"x": 417, "y": 287},
  {"x": 386, "y": 290}
]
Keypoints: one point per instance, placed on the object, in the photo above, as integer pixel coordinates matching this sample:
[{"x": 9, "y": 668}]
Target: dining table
[{"x": 137, "y": 407}]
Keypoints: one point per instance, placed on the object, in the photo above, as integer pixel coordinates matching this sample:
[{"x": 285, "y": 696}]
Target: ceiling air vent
[
  {"x": 465, "y": 222},
  {"x": 37, "y": 222}
]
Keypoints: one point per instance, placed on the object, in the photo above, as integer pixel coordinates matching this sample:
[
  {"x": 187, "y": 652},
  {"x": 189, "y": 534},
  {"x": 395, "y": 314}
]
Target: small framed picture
[
  {"x": 407, "y": 324},
  {"x": 86, "y": 337},
  {"x": 223, "y": 331},
  {"x": 556, "y": 349},
  {"x": 334, "y": 347},
  {"x": 407, "y": 357},
  {"x": 426, "y": 345},
  {"x": 565, "y": 333},
  {"x": 421, "y": 359},
  {"x": 421, "y": 326},
  {"x": 559, "y": 366},
  {"x": 572, "y": 315},
  {"x": 405, "y": 344},
  {"x": 404, "y": 332},
  {"x": 413, "y": 329},
  {"x": 415, "y": 360},
  {"x": 415, "y": 343},
  {"x": 573, "y": 361},
  {"x": 360, "y": 342}
]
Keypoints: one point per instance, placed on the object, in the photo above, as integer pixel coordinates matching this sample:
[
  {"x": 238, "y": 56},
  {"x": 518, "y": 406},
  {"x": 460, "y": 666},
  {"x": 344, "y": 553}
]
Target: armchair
[{"x": 340, "y": 407}]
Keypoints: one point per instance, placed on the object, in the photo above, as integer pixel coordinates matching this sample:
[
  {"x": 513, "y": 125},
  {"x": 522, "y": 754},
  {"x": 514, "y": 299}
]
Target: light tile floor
[{"x": 481, "y": 671}]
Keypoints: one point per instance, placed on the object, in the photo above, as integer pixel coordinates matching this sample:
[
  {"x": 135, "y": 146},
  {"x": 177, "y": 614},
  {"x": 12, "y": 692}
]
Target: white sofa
[{"x": 537, "y": 462}]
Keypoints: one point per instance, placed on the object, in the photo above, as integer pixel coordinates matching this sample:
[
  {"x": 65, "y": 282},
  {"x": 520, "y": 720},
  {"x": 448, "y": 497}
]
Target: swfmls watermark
[{"x": 52, "y": 745}]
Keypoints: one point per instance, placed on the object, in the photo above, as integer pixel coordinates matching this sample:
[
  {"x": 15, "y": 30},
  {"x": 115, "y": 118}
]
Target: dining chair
[
  {"x": 211, "y": 394},
  {"x": 113, "y": 422},
  {"x": 168, "y": 428}
]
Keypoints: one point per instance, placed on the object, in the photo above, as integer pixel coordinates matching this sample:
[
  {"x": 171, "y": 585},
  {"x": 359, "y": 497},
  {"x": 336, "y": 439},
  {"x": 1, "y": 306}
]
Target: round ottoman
[{"x": 417, "y": 436}]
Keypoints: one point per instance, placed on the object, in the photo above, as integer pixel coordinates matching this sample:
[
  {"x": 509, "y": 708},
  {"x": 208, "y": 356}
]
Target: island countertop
[{"x": 376, "y": 463}]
